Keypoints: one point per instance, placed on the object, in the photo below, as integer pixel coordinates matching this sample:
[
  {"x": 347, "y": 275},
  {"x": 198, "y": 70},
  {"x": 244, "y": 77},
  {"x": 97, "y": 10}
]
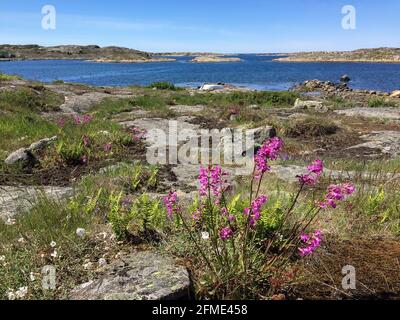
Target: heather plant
[{"x": 239, "y": 242}]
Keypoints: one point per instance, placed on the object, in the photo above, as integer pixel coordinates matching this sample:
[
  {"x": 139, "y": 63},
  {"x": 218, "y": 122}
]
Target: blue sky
[{"x": 204, "y": 25}]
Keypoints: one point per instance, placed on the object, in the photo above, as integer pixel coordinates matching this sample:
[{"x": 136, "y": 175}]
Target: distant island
[
  {"x": 77, "y": 52},
  {"x": 115, "y": 54},
  {"x": 377, "y": 55},
  {"x": 215, "y": 58}
]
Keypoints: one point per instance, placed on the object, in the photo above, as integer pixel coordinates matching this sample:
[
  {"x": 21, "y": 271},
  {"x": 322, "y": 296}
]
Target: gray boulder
[
  {"x": 25, "y": 156},
  {"x": 22, "y": 156},
  {"x": 138, "y": 276},
  {"x": 345, "y": 78},
  {"x": 310, "y": 104},
  {"x": 395, "y": 94},
  {"x": 42, "y": 144}
]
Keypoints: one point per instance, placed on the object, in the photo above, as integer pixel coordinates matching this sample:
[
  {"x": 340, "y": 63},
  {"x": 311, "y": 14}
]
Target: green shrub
[
  {"x": 310, "y": 127},
  {"x": 163, "y": 86},
  {"x": 378, "y": 102}
]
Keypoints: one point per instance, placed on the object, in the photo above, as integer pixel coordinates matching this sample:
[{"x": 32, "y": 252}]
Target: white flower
[
  {"x": 102, "y": 262},
  {"x": 88, "y": 266},
  {"x": 32, "y": 276},
  {"x": 54, "y": 254},
  {"x": 21, "y": 240},
  {"x": 205, "y": 235},
  {"x": 2, "y": 258},
  {"x": 21, "y": 292},
  {"x": 10, "y": 221},
  {"x": 10, "y": 294},
  {"x": 53, "y": 244},
  {"x": 80, "y": 232}
]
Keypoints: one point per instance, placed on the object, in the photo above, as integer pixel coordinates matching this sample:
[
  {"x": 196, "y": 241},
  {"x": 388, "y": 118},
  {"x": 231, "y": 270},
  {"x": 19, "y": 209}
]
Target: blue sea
[{"x": 257, "y": 72}]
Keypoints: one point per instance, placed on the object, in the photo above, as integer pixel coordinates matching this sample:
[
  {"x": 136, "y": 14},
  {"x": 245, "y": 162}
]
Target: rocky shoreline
[{"x": 376, "y": 55}]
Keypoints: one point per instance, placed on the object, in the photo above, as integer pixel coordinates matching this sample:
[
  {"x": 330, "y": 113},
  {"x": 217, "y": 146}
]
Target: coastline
[{"x": 297, "y": 60}]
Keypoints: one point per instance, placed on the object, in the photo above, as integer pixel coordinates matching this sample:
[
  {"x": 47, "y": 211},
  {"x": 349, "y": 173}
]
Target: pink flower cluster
[
  {"x": 107, "y": 147},
  {"x": 226, "y": 233},
  {"x": 315, "y": 171},
  {"x": 213, "y": 179},
  {"x": 171, "y": 202},
  {"x": 138, "y": 134},
  {"x": 312, "y": 242},
  {"x": 337, "y": 193},
  {"x": 82, "y": 120},
  {"x": 255, "y": 211},
  {"x": 76, "y": 119},
  {"x": 269, "y": 151},
  {"x": 61, "y": 122}
]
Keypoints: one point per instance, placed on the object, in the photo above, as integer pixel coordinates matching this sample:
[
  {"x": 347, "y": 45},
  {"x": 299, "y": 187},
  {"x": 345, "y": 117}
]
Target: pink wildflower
[
  {"x": 77, "y": 119},
  {"x": 61, "y": 122},
  {"x": 87, "y": 118},
  {"x": 269, "y": 151},
  {"x": 316, "y": 167},
  {"x": 213, "y": 179},
  {"x": 226, "y": 233},
  {"x": 337, "y": 193},
  {"x": 312, "y": 242},
  {"x": 107, "y": 147},
  {"x": 171, "y": 202},
  {"x": 307, "y": 179},
  {"x": 255, "y": 210},
  {"x": 315, "y": 171}
]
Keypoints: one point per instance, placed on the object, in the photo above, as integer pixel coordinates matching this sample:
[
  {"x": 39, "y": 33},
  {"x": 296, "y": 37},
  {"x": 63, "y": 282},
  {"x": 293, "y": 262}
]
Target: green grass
[
  {"x": 379, "y": 102},
  {"x": 262, "y": 98},
  {"x": 19, "y": 130},
  {"x": 151, "y": 102},
  {"x": 26, "y": 249},
  {"x": 36, "y": 99},
  {"x": 8, "y": 77}
]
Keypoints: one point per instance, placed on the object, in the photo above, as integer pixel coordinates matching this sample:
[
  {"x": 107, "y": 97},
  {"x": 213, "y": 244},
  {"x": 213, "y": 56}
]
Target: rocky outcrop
[
  {"x": 214, "y": 59},
  {"x": 25, "y": 156},
  {"x": 70, "y": 52},
  {"x": 395, "y": 94},
  {"x": 317, "y": 106},
  {"x": 138, "y": 276},
  {"x": 345, "y": 78},
  {"x": 14, "y": 200},
  {"x": 289, "y": 174},
  {"x": 327, "y": 86},
  {"x": 380, "y": 143},
  {"x": 379, "y": 113}
]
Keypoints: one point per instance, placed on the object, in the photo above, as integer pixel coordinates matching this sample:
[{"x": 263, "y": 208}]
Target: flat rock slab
[
  {"x": 381, "y": 143},
  {"x": 154, "y": 125},
  {"x": 290, "y": 173},
  {"x": 381, "y": 113},
  {"x": 138, "y": 276},
  {"x": 14, "y": 200},
  {"x": 183, "y": 109}
]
